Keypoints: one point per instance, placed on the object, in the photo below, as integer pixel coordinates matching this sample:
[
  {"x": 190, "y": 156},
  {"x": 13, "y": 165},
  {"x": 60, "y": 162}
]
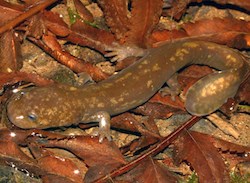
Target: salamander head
[{"x": 38, "y": 108}]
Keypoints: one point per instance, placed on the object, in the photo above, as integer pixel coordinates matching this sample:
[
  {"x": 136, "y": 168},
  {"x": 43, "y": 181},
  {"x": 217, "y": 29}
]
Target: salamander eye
[{"x": 32, "y": 117}]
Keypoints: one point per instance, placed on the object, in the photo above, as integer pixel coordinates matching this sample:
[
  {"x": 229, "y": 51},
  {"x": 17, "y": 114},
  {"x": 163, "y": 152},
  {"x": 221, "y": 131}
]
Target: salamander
[{"x": 62, "y": 105}]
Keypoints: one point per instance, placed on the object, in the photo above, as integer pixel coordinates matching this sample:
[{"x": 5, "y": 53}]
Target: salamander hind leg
[
  {"x": 172, "y": 89},
  {"x": 211, "y": 92}
]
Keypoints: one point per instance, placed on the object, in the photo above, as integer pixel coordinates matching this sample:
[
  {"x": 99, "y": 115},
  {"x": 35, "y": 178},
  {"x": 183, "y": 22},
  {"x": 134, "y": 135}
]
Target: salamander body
[{"x": 61, "y": 105}]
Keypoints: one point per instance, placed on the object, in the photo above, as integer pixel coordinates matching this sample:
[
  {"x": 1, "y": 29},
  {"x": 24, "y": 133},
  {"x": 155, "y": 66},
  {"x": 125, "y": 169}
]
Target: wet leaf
[
  {"x": 145, "y": 16},
  {"x": 116, "y": 16},
  {"x": 203, "y": 157},
  {"x": 10, "y": 53},
  {"x": 89, "y": 149},
  {"x": 228, "y": 31},
  {"x": 56, "y": 166},
  {"x": 150, "y": 171}
]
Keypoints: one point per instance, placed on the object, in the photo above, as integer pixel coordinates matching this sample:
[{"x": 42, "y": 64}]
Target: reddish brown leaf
[
  {"x": 166, "y": 100},
  {"x": 10, "y": 154},
  {"x": 145, "y": 16},
  {"x": 232, "y": 152},
  {"x": 22, "y": 17},
  {"x": 216, "y": 25},
  {"x": 242, "y": 3},
  {"x": 228, "y": 146},
  {"x": 14, "y": 77},
  {"x": 83, "y": 11},
  {"x": 56, "y": 165},
  {"x": 229, "y": 31},
  {"x": 55, "y": 179},
  {"x": 244, "y": 91},
  {"x": 10, "y": 53},
  {"x": 100, "y": 157},
  {"x": 178, "y": 7},
  {"x": 192, "y": 74},
  {"x": 203, "y": 157},
  {"x": 89, "y": 149},
  {"x": 55, "y": 23},
  {"x": 8, "y": 11},
  {"x": 86, "y": 35},
  {"x": 152, "y": 151},
  {"x": 150, "y": 171},
  {"x": 52, "y": 47},
  {"x": 36, "y": 27},
  {"x": 116, "y": 16}
]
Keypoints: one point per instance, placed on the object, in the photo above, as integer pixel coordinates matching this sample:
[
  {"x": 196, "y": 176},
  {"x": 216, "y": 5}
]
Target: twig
[
  {"x": 151, "y": 152},
  {"x": 16, "y": 21}
]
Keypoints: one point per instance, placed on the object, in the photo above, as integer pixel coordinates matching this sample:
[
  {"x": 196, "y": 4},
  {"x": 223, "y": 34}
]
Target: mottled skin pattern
[{"x": 60, "y": 105}]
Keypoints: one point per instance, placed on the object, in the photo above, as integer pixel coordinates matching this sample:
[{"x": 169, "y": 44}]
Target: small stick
[
  {"x": 153, "y": 151},
  {"x": 30, "y": 12}
]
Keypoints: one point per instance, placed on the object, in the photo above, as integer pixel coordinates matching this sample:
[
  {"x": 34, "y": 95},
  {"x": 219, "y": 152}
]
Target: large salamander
[{"x": 61, "y": 105}]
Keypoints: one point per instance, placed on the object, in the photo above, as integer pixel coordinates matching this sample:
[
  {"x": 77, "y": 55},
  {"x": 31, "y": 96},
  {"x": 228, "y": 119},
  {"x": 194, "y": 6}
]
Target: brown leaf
[
  {"x": 145, "y": 16},
  {"x": 166, "y": 100},
  {"x": 56, "y": 165},
  {"x": 51, "y": 46},
  {"x": 8, "y": 11},
  {"x": 155, "y": 110},
  {"x": 36, "y": 27},
  {"x": 56, "y": 179},
  {"x": 10, "y": 154},
  {"x": 14, "y": 77},
  {"x": 244, "y": 91},
  {"x": 32, "y": 10},
  {"x": 89, "y": 149},
  {"x": 178, "y": 7},
  {"x": 216, "y": 25},
  {"x": 190, "y": 75},
  {"x": 203, "y": 157},
  {"x": 228, "y": 146},
  {"x": 116, "y": 16},
  {"x": 10, "y": 53},
  {"x": 100, "y": 157},
  {"x": 83, "y": 11},
  {"x": 243, "y": 3},
  {"x": 150, "y": 171},
  {"x": 55, "y": 23},
  {"x": 228, "y": 31},
  {"x": 86, "y": 35}
]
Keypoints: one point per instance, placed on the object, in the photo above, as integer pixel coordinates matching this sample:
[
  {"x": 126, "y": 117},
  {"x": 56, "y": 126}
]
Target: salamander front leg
[{"x": 104, "y": 124}]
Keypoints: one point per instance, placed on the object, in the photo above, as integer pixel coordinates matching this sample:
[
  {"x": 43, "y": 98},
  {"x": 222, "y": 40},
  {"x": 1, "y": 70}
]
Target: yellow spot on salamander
[
  {"x": 210, "y": 47},
  {"x": 123, "y": 77},
  {"x": 149, "y": 83},
  {"x": 145, "y": 62},
  {"x": 100, "y": 105},
  {"x": 72, "y": 88},
  {"x": 231, "y": 58},
  {"x": 219, "y": 85},
  {"x": 190, "y": 44},
  {"x": 121, "y": 99},
  {"x": 156, "y": 67},
  {"x": 180, "y": 53},
  {"x": 172, "y": 59},
  {"x": 113, "y": 101},
  {"x": 107, "y": 85}
]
